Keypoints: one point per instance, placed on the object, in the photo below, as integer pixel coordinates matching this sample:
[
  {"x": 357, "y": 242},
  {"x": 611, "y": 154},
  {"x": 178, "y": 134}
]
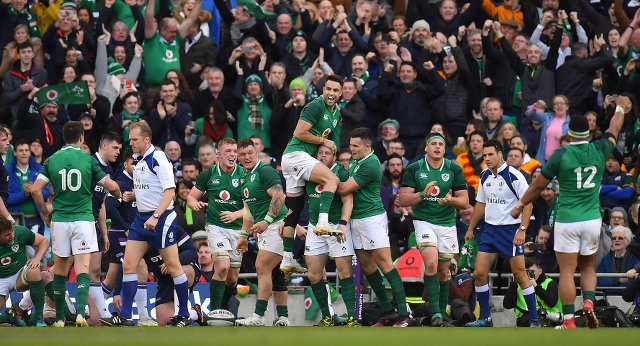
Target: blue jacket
[
  {"x": 606, "y": 265},
  {"x": 545, "y": 120},
  {"x": 16, "y": 195}
]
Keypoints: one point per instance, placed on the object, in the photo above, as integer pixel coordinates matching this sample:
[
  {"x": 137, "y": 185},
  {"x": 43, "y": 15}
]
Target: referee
[{"x": 500, "y": 189}]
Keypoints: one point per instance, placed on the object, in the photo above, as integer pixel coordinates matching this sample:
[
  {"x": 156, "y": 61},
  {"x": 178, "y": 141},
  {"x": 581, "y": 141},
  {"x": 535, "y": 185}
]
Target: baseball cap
[{"x": 199, "y": 235}]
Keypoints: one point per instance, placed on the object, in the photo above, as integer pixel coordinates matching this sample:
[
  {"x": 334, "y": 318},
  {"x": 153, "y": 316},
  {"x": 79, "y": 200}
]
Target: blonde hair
[{"x": 500, "y": 136}]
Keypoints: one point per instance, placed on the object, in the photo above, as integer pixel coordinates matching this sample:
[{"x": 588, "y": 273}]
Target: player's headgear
[
  {"x": 433, "y": 136},
  {"x": 579, "y": 127}
]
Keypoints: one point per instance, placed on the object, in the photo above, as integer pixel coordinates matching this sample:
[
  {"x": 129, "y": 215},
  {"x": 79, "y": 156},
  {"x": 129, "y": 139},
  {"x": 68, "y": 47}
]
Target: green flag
[
  {"x": 76, "y": 93},
  {"x": 311, "y": 306},
  {"x": 256, "y": 10}
]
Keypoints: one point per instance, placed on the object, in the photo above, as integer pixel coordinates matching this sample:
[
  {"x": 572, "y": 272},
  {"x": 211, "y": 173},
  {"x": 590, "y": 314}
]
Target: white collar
[
  {"x": 578, "y": 142},
  {"x": 100, "y": 159},
  {"x": 149, "y": 151}
]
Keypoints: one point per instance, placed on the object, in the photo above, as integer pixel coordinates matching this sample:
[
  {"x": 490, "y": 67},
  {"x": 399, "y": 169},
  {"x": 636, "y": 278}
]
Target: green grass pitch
[{"x": 262, "y": 336}]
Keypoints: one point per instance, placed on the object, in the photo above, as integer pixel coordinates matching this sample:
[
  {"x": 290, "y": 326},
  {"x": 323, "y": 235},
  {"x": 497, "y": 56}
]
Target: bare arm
[
  {"x": 277, "y": 199},
  {"x": 38, "y": 199},
  {"x": 302, "y": 133},
  {"x": 348, "y": 187},
  {"x": 150, "y": 25},
  {"x": 41, "y": 244},
  {"x": 459, "y": 200},
  {"x": 408, "y": 197},
  {"x": 102, "y": 224},
  {"x": 190, "y": 20},
  {"x": 193, "y": 200},
  {"x": 347, "y": 207},
  {"x": 112, "y": 187},
  {"x": 537, "y": 186},
  {"x": 618, "y": 117},
  {"x": 478, "y": 213}
]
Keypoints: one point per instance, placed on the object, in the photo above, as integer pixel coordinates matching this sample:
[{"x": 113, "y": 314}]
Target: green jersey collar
[
  {"x": 70, "y": 146},
  {"x": 335, "y": 107},
  {"x": 258, "y": 165},
  {"x": 364, "y": 158},
  {"x": 221, "y": 171},
  {"x": 426, "y": 162}
]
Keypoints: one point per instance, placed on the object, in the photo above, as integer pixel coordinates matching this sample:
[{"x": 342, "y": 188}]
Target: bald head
[
  {"x": 172, "y": 149},
  {"x": 283, "y": 24}
]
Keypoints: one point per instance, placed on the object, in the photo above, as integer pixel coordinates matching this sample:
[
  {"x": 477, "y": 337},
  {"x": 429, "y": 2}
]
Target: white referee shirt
[
  {"x": 151, "y": 176},
  {"x": 499, "y": 198}
]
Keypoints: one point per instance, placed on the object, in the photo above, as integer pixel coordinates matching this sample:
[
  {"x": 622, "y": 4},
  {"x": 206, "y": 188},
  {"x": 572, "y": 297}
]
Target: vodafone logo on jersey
[
  {"x": 224, "y": 195},
  {"x": 169, "y": 54},
  {"x": 245, "y": 192},
  {"x": 5, "y": 261},
  {"x": 435, "y": 191},
  {"x": 326, "y": 133},
  {"x": 319, "y": 188}
]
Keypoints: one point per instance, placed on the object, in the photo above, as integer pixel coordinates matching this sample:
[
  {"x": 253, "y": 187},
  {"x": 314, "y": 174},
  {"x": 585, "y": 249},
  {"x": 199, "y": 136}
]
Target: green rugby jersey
[
  {"x": 224, "y": 194},
  {"x": 313, "y": 197},
  {"x": 71, "y": 172},
  {"x": 255, "y": 184},
  {"x": 323, "y": 121},
  {"x": 368, "y": 174},
  {"x": 448, "y": 177},
  {"x": 579, "y": 167},
  {"x": 14, "y": 256},
  {"x": 159, "y": 57}
]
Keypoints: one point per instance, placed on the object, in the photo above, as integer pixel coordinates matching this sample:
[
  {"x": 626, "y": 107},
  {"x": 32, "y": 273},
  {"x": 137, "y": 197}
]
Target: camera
[
  {"x": 536, "y": 247},
  {"x": 531, "y": 275}
]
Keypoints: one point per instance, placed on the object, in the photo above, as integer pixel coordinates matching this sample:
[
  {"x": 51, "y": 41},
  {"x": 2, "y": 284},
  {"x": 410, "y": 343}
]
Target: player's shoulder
[
  {"x": 22, "y": 233},
  {"x": 453, "y": 166},
  {"x": 515, "y": 174},
  {"x": 484, "y": 175}
]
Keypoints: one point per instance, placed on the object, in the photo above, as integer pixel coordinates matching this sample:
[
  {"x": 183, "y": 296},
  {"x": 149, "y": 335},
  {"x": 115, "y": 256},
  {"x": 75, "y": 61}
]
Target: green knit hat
[
  {"x": 113, "y": 68},
  {"x": 253, "y": 78},
  {"x": 298, "y": 82}
]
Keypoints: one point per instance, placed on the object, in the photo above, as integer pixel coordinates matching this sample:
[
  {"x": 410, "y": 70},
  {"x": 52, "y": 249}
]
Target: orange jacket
[
  {"x": 501, "y": 13},
  {"x": 468, "y": 171}
]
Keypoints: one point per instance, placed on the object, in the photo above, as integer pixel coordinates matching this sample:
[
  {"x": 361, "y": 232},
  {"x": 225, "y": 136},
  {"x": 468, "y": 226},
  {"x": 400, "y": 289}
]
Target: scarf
[
  {"x": 343, "y": 103},
  {"x": 476, "y": 163},
  {"x": 135, "y": 117},
  {"x": 236, "y": 30},
  {"x": 216, "y": 133},
  {"x": 255, "y": 118}
]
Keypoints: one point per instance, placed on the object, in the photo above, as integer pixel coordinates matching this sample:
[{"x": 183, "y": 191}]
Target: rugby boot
[
  {"x": 15, "y": 319},
  {"x": 352, "y": 322},
  {"x": 326, "y": 321},
  {"x": 569, "y": 323},
  {"x": 253, "y": 320},
  {"x": 535, "y": 324},
  {"x": 387, "y": 320},
  {"x": 440, "y": 322},
  {"x": 281, "y": 321},
  {"x": 147, "y": 322},
  {"x": 339, "y": 320},
  {"x": 290, "y": 265},
  {"x": 81, "y": 321},
  {"x": 59, "y": 324},
  {"x": 179, "y": 321},
  {"x": 402, "y": 322},
  {"x": 326, "y": 229},
  {"x": 201, "y": 321},
  {"x": 589, "y": 315},
  {"x": 481, "y": 322},
  {"x": 116, "y": 321},
  {"x": 40, "y": 322}
]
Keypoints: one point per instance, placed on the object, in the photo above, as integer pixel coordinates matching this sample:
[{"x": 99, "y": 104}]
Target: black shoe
[
  {"x": 20, "y": 313},
  {"x": 50, "y": 320},
  {"x": 116, "y": 321},
  {"x": 387, "y": 320},
  {"x": 440, "y": 322},
  {"x": 179, "y": 321},
  {"x": 198, "y": 309}
]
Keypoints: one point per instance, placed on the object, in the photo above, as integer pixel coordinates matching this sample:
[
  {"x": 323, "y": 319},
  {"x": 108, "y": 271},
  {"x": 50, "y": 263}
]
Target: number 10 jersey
[{"x": 579, "y": 167}]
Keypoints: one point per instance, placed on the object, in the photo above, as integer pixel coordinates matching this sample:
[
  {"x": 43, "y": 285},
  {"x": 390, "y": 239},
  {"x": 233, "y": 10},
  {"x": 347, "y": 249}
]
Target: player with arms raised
[
  {"x": 319, "y": 119},
  {"x": 578, "y": 168},
  {"x": 435, "y": 187},
  {"x": 71, "y": 172}
]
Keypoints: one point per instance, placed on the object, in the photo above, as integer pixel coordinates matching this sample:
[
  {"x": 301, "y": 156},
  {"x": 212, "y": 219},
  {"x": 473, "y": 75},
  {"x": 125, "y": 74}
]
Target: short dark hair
[
  {"x": 5, "y": 225},
  {"x": 529, "y": 261},
  {"x": 524, "y": 140},
  {"x": 395, "y": 156},
  {"x": 397, "y": 140},
  {"x": 517, "y": 149},
  {"x": 344, "y": 150},
  {"x": 244, "y": 143},
  {"x": 72, "y": 131},
  {"x": 111, "y": 137},
  {"x": 168, "y": 82},
  {"x": 363, "y": 133},
  {"x": 188, "y": 161},
  {"x": 408, "y": 63},
  {"x": 128, "y": 155},
  {"x": 478, "y": 124},
  {"x": 21, "y": 141},
  {"x": 492, "y": 143},
  {"x": 129, "y": 94},
  {"x": 23, "y": 45},
  {"x": 334, "y": 78},
  {"x": 479, "y": 133}
]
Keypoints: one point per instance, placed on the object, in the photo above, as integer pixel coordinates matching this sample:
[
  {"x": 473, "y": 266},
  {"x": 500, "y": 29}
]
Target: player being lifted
[
  {"x": 369, "y": 227},
  {"x": 319, "y": 119},
  {"x": 71, "y": 172},
  {"x": 435, "y": 187},
  {"x": 263, "y": 213},
  {"x": 319, "y": 248},
  {"x": 578, "y": 168},
  {"x": 224, "y": 219},
  {"x": 18, "y": 272}
]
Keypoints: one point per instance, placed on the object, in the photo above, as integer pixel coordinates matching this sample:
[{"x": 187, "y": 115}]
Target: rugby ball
[{"x": 220, "y": 318}]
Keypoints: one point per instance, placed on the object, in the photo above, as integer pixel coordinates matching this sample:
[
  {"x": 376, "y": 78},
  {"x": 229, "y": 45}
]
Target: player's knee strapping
[
  {"x": 425, "y": 245},
  {"x": 278, "y": 281},
  {"x": 296, "y": 205}
]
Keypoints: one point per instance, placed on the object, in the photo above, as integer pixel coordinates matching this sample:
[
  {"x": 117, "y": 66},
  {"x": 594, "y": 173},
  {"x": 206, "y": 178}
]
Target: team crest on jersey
[
  {"x": 225, "y": 195},
  {"x": 245, "y": 192},
  {"x": 235, "y": 182},
  {"x": 5, "y": 261},
  {"x": 253, "y": 177},
  {"x": 15, "y": 248},
  {"x": 424, "y": 175},
  {"x": 326, "y": 117},
  {"x": 445, "y": 176},
  {"x": 326, "y": 132},
  {"x": 215, "y": 181}
]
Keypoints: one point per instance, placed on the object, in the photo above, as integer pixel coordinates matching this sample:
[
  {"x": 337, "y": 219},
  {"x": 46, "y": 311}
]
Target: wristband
[
  {"x": 619, "y": 109},
  {"x": 343, "y": 222},
  {"x": 519, "y": 205},
  {"x": 269, "y": 218},
  {"x": 421, "y": 194},
  {"x": 244, "y": 234}
]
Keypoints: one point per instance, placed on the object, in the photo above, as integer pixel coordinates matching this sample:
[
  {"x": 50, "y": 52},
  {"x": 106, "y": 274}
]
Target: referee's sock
[
  {"x": 129, "y": 289},
  {"x": 482, "y": 294},
  {"x": 97, "y": 296},
  {"x": 529, "y": 294},
  {"x": 141, "y": 301},
  {"x": 181, "y": 285}
]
